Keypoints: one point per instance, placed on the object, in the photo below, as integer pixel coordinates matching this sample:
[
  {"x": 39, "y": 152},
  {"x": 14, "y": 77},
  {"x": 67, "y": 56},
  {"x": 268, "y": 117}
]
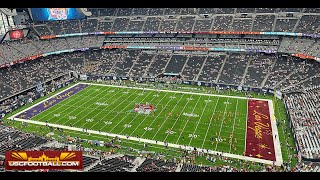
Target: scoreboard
[{"x": 53, "y": 14}]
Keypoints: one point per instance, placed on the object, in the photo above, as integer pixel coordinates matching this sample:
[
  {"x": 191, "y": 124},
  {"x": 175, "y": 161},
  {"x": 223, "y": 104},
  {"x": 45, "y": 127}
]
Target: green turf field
[
  {"x": 184, "y": 119},
  {"x": 279, "y": 113}
]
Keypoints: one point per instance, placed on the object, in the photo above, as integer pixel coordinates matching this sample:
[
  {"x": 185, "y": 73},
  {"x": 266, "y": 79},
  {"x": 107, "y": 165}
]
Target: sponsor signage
[{"x": 16, "y": 34}]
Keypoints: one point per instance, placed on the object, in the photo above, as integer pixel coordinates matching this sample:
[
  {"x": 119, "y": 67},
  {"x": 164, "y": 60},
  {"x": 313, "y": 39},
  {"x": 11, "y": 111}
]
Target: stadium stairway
[
  {"x": 315, "y": 169},
  {"x": 48, "y": 144},
  {"x": 267, "y": 76},
  {"x": 222, "y": 66},
  {"x": 245, "y": 71},
  {"x": 200, "y": 71},
  {"x": 179, "y": 166},
  {"x": 91, "y": 166},
  {"x": 98, "y": 161},
  {"x": 113, "y": 156},
  {"x": 137, "y": 162}
]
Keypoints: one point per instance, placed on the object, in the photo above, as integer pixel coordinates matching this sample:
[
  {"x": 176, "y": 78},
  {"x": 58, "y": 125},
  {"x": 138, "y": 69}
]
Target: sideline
[
  {"x": 184, "y": 92},
  {"x": 150, "y": 141},
  {"x": 276, "y": 141}
]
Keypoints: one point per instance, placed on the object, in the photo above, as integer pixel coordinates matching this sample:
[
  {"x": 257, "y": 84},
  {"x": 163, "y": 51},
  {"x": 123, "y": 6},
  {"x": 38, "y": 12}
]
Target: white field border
[
  {"x": 276, "y": 141},
  {"x": 245, "y": 135},
  {"x": 184, "y": 92}
]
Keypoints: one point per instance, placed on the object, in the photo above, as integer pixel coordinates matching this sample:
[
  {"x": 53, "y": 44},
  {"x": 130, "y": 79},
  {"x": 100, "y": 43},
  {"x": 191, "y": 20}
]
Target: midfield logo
[{"x": 144, "y": 108}]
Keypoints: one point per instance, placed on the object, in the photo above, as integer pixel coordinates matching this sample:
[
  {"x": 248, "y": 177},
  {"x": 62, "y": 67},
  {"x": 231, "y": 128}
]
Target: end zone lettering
[{"x": 32, "y": 160}]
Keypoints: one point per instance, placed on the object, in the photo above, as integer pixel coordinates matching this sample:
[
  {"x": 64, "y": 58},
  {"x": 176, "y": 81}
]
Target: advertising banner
[{"x": 16, "y": 34}]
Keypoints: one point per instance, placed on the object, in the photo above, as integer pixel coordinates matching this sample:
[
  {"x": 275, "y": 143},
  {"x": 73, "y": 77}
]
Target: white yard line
[
  {"x": 57, "y": 109},
  {"x": 158, "y": 114},
  {"x": 224, "y": 116},
  {"x": 276, "y": 140},
  {"x": 75, "y": 109},
  {"x": 168, "y": 118},
  {"x": 187, "y": 120},
  {"x": 42, "y": 101},
  {"x": 199, "y": 120},
  {"x": 204, "y": 140},
  {"x": 184, "y": 92},
  {"x": 114, "y": 94},
  {"x": 234, "y": 120},
  {"x": 148, "y": 141},
  {"x": 138, "y": 115},
  {"x": 128, "y": 113},
  {"x": 111, "y": 111},
  {"x": 62, "y": 107},
  {"x": 147, "y": 116},
  {"x": 120, "y": 111}
]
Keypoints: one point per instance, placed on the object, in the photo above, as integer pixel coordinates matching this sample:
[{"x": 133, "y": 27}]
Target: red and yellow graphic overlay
[
  {"x": 31, "y": 160},
  {"x": 259, "y": 139}
]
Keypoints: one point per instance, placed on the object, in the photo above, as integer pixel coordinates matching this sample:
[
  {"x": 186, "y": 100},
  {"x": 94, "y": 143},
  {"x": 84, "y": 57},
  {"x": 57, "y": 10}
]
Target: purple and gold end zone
[{"x": 51, "y": 102}]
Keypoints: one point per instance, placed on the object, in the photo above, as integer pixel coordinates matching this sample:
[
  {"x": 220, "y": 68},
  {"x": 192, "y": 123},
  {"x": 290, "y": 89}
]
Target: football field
[{"x": 205, "y": 121}]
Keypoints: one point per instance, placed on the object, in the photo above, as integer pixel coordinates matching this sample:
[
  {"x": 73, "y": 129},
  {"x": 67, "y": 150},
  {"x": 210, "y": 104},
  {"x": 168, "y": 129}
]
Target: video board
[{"x": 54, "y": 14}]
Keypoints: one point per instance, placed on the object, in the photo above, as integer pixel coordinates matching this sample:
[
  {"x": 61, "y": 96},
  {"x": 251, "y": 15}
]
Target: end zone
[{"x": 262, "y": 140}]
